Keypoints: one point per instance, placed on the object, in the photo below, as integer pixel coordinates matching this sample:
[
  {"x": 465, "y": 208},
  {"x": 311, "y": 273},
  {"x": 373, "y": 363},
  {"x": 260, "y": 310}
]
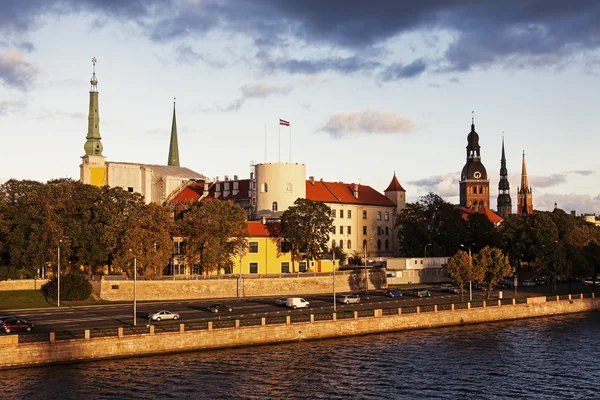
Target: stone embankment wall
[
  {"x": 28, "y": 354},
  {"x": 22, "y": 284}
]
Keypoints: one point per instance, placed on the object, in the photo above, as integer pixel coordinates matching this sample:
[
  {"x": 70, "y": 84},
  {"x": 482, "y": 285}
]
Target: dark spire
[
  {"x": 504, "y": 200},
  {"x": 174, "y": 146}
]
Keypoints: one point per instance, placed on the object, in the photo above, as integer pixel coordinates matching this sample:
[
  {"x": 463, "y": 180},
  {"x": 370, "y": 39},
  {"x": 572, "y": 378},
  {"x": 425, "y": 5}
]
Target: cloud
[
  {"x": 187, "y": 55},
  {"x": 445, "y": 185},
  {"x": 402, "y": 71},
  {"x": 8, "y": 107},
  {"x": 536, "y": 181},
  {"x": 55, "y": 114},
  {"x": 259, "y": 90},
  {"x": 585, "y": 172},
  {"x": 581, "y": 203},
  {"x": 15, "y": 71},
  {"x": 344, "y": 65},
  {"x": 368, "y": 122}
]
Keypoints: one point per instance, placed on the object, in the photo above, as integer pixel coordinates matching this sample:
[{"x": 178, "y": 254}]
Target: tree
[
  {"x": 552, "y": 261},
  {"x": 493, "y": 265},
  {"x": 215, "y": 231},
  {"x": 461, "y": 270},
  {"x": 306, "y": 226}
]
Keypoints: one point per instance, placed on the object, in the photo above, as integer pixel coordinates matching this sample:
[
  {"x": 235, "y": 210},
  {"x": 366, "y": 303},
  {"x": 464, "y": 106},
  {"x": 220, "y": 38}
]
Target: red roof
[
  {"x": 491, "y": 215},
  {"x": 343, "y": 193},
  {"x": 257, "y": 229},
  {"x": 194, "y": 191},
  {"x": 394, "y": 186}
]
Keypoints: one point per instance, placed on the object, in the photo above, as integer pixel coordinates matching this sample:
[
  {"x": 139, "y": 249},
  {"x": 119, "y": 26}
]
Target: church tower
[
  {"x": 504, "y": 200},
  {"x": 396, "y": 193},
  {"x": 524, "y": 193},
  {"x": 93, "y": 168},
  {"x": 474, "y": 183},
  {"x": 173, "y": 146}
]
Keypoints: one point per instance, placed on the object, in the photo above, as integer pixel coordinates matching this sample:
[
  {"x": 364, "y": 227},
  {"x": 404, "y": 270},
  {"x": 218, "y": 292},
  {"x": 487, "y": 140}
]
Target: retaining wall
[
  {"x": 22, "y": 284},
  {"x": 28, "y": 354}
]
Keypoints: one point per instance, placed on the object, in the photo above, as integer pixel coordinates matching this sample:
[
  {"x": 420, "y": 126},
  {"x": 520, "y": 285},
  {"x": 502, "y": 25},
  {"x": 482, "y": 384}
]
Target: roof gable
[{"x": 343, "y": 193}]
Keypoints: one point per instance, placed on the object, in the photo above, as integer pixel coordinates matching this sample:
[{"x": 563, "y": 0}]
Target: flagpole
[
  {"x": 279, "y": 142},
  {"x": 290, "y": 143},
  {"x": 265, "y": 143}
]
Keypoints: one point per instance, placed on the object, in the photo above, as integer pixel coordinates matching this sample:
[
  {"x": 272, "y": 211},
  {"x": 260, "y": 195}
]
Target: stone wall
[
  {"x": 22, "y": 284},
  {"x": 28, "y": 354}
]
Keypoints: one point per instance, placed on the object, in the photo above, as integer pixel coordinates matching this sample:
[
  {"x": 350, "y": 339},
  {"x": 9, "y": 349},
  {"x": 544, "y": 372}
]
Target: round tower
[{"x": 278, "y": 186}]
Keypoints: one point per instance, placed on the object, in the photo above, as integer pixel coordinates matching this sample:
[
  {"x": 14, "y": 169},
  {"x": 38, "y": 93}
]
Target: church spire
[
  {"x": 174, "y": 146},
  {"x": 524, "y": 193},
  {"x": 524, "y": 180},
  {"x": 504, "y": 201},
  {"x": 93, "y": 144}
]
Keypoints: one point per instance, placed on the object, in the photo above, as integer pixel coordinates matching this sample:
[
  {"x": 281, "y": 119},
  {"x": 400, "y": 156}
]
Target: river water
[{"x": 546, "y": 358}]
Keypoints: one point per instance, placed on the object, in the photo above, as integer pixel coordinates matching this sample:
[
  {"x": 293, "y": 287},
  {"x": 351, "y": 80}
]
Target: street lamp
[
  {"x": 333, "y": 263},
  {"x": 366, "y": 276},
  {"x": 470, "y": 270},
  {"x": 58, "y": 275},
  {"x": 428, "y": 244},
  {"x": 134, "y": 289}
]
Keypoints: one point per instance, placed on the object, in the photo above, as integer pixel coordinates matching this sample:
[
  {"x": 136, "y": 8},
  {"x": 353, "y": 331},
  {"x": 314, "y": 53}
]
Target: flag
[{"x": 283, "y": 122}]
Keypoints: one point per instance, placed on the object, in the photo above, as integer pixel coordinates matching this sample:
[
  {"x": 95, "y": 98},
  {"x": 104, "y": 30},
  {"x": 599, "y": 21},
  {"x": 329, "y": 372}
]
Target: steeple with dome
[{"x": 474, "y": 184}]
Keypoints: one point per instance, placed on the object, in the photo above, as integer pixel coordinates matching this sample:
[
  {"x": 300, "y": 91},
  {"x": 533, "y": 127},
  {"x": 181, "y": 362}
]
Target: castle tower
[
  {"x": 474, "y": 184},
  {"x": 524, "y": 193},
  {"x": 396, "y": 193},
  {"x": 93, "y": 168},
  {"x": 504, "y": 200},
  {"x": 173, "y": 146}
]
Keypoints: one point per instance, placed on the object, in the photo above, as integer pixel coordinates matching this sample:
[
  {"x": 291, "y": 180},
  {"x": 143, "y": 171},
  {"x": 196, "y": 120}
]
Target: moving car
[
  {"x": 163, "y": 315},
  {"x": 446, "y": 287},
  {"x": 393, "y": 293},
  {"x": 282, "y": 301},
  {"x": 15, "y": 325},
  {"x": 297, "y": 302},
  {"x": 219, "y": 307},
  {"x": 349, "y": 298},
  {"x": 421, "y": 293},
  {"x": 528, "y": 282}
]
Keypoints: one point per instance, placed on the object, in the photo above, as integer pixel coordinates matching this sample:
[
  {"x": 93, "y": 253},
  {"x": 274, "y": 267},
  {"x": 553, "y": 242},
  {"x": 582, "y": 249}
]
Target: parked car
[
  {"x": 528, "y": 282},
  {"x": 481, "y": 286},
  {"x": 282, "y": 301},
  {"x": 455, "y": 289},
  {"x": 421, "y": 293},
  {"x": 393, "y": 293},
  {"x": 349, "y": 298},
  {"x": 589, "y": 281},
  {"x": 218, "y": 307},
  {"x": 297, "y": 302},
  {"x": 446, "y": 287},
  {"x": 162, "y": 315},
  {"x": 15, "y": 325}
]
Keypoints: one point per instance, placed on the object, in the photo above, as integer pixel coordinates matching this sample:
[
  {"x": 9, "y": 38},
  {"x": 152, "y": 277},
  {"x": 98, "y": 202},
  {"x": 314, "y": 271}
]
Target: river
[{"x": 545, "y": 358}]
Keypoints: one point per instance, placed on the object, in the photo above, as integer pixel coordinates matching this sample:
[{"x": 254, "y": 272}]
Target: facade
[
  {"x": 504, "y": 200},
  {"x": 278, "y": 186},
  {"x": 154, "y": 182},
  {"x": 524, "y": 193},
  {"x": 415, "y": 270},
  {"x": 474, "y": 184}
]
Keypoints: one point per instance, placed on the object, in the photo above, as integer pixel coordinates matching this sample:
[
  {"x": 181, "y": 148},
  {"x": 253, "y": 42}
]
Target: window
[
  {"x": 288, "y": 187},
  {"x": 274, "y": 207},
  {"x": 349, "y": 230},
  {"x": 349, "y": 244},
  {"x": 285, "y": 267},
  {"x": 341, "y": 230},
  {"x": 332, "y": 213},
  {"x": 387, "y": 216},
  {"x": 341, "y": 244},
  {"x": 378, "y": 230},
  {"x": 387, "y": 230},
  {"x": 387, "y": 245},
  {"x": 378, "y": 244},
  {"x": 480, "y": 189},
  {"x": 364, "y": 214},
  {"x": 379, "y": 215},
  {"x": 264, "y": 187},
  {"x": 364, "y": 244},
  {"x": 130, "y": 189},
  {"x": 253, "y": 247},
  {"x": 349, "y": 213},
  {"x": 302, "y": 267},
  {"x": 341, "y": 213},
  {"x": 333, "y": 229},
  {"x": 253, "y": 266},
  {"x": 364, "y": 230}
]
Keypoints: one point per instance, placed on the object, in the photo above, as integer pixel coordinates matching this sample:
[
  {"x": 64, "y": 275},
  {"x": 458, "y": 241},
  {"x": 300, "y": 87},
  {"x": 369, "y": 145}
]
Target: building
[
  {"x": 474, "y": 184},
  {"x": 415, "y": 270},
  {"x": 524, "y": 193},
  {"x": 154, "y": 182},
  {"x": 504, "y": 201}
]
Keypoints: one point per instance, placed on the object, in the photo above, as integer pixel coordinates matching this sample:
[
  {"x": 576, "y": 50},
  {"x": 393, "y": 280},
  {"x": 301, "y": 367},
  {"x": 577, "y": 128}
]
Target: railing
[{"x": 230, "y": 322}]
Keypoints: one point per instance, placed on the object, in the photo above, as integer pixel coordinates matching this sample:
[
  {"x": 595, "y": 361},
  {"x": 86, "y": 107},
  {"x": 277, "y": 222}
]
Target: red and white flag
[{"x": 284, "y": 122}]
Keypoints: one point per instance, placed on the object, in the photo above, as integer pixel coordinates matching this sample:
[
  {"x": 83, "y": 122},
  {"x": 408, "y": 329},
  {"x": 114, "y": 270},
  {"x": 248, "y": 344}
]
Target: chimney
[
  {"x": 263, "y": 220},
  {"x": 235, "y": 178},
  {"x": 311, "y": 179},
  {"x": 226, "y": 178},
  {"x": 356, "y": 191}
]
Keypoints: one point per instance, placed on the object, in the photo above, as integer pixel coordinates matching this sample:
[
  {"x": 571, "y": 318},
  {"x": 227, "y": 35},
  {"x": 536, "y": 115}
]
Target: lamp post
[
  {"x": 428, "y": 244},
  {"x": 470, "y": 268},
  {"x": 134, "y": 290},
  {"x": 333, "y": 263},
  {"x": 366, "y": 275},
  {"x": 58, "y": 275}
]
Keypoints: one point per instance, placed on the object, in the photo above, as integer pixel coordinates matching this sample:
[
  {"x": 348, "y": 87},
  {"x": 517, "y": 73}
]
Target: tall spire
[
  {"x": 174, "y": 146},
  {"x": 524, "y": 180},
  {"x": 93, "y": 145},
  {"x": 504, "y": 201},
  {"x": 524, "y": 193}
]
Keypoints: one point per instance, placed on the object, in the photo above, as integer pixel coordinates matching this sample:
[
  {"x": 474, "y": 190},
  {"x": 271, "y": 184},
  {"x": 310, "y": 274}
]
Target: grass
[{"x": 15, "y": 299}]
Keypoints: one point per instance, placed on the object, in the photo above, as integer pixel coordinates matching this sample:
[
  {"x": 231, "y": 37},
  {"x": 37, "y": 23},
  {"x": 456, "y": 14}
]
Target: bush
[{"x": 73, "y": 287}]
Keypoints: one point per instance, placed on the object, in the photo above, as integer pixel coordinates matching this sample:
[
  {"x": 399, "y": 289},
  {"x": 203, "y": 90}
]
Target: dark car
[
  {"x": 393, "y": 293},
  {"x": 421, "y": 293},
  {"x": 219, "y": 308},
  {"x": 16, "y": 325}
]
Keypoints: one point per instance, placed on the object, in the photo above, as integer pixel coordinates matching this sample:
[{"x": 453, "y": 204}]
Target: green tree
[
  {"x": 73, "y": 287},
  {"x": 461, "y": 269},
  {"x": 306, "y": 226},
  {"x": 215, "y": 231},
  {"x": 494, "y": 266},
  {"x": 552, "y": 261}
]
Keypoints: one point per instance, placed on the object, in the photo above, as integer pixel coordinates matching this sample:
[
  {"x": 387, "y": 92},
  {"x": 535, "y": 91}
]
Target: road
[{"x": 87, "y": 317}]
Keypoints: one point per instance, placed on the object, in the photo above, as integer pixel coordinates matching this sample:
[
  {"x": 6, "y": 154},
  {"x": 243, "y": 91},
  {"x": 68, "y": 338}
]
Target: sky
[{"x": 369, "y": 88}]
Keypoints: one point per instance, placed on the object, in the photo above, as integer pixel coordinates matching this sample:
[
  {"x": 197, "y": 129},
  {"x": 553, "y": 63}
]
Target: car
[
  {"x": 297, "y": 302},
  {"x": 15, "y": 325},
  {"x": 589, "y": 281},
  {"x": 282, "y": 301},
  {"x": 219, "y": 307},
  {"x": 349, "y": 298},
  {"x": 528, "y": 282},
  {"x": 421, "y": 293},
  {"x": 446, "y": 287},
  {"x": 393, "y": 293},
  {"x": 455, "y": 289},
  {"x": 163, "y": 315}
]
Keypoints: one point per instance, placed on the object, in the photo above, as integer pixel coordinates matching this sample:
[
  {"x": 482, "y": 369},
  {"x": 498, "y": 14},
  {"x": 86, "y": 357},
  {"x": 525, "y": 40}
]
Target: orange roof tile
[
  {"x": 491, "y": 215},
  {"x": 394, "y": 186},
  {"x": 343, "y": 193},
  {"x": 257, "y": 229}
]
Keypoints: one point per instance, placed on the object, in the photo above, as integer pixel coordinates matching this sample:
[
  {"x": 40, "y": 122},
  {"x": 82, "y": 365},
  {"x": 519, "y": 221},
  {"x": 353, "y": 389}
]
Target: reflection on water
[{"x": 549, "y": 358}]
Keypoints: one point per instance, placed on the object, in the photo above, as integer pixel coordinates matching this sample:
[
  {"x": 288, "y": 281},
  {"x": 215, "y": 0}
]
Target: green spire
[
  {"x": 93, "y": 145},
  {"x": 174, "y": 146}
]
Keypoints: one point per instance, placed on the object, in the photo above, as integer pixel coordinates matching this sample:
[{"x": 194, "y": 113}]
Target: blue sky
[{"x": 370, "y": 88}]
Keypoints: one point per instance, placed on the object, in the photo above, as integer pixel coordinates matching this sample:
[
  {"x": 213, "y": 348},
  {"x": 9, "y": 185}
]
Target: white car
[
  {"x": 163, "y": 315},
  {"x": 528, "y": 282},
  {"x": 446, "y": 287},
  {"x": 349, "y": 298}
]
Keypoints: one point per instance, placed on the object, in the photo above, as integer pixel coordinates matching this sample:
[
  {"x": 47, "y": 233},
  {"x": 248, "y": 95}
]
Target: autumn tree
[
  {"x": 215, "y": 231},
  {"x": 461, "y": 269},
  {"x": 306, "y": 226},
  {"x": 493, "y": 265},
  {"x": 552, "y": 261}
]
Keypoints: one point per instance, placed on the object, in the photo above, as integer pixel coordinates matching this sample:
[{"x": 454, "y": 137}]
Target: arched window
[
  {"x": 274, "y": 206},
  {"x": 349, "y": 244},
  {"x": 288, "y": 187},
  {"x": 365, "y": 244},
  {"x": 333, "y": 244},
  {"x": 387, "y": 244},
  {"x": 378, "y": 244},
  {"x": 480, "y": 189},
  {"x": 341, "y": 244},
  {"x": 264, "y": 187}
]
